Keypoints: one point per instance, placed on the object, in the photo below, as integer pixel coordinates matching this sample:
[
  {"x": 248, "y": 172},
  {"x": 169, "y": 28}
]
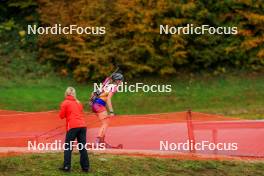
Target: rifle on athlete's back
[{"x": 97, "y": 92}]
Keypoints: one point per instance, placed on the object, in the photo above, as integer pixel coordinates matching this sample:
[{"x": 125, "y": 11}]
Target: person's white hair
[{"x": 70, "y": 91}]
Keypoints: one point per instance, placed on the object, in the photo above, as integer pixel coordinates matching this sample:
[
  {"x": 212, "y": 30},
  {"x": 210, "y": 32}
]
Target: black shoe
[
  {"x": 85, "y": 170},
  {"x": 65, "y": 169}
]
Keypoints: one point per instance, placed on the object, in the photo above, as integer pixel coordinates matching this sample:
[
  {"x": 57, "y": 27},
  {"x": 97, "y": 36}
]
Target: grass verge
[
  {"x": 232, "y": 95},
  {"x": 106, "y": 164}
]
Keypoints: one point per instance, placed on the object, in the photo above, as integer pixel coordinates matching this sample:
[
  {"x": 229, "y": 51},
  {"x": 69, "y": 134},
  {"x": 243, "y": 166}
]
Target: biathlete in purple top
[{"x": 100, "y": 102}]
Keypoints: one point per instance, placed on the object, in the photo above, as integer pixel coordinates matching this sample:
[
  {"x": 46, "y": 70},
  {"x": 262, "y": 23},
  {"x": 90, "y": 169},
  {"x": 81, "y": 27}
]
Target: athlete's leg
[{"x": 105, "y": 123}]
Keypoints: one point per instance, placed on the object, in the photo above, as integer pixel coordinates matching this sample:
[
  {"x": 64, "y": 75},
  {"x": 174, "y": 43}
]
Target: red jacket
[{"x": 72, "y": 110}]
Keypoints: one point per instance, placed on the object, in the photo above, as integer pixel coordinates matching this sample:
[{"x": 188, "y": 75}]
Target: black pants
[{"x": 80, "y": 134}]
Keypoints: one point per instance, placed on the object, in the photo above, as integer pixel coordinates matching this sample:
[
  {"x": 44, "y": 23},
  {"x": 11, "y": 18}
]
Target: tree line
[{"x": 133, "y": 42}]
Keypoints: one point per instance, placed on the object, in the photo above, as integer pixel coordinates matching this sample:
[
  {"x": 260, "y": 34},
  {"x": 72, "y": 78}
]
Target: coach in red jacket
[{"x": 72, "y": 111}]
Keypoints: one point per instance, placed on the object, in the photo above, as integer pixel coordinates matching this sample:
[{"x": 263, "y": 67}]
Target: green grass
[
  {"x": 232, "y": 95},
  {"x": 107, "y": 165}
]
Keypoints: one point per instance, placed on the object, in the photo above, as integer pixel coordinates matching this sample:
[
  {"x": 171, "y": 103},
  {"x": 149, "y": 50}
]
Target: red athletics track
[{"x": 141, "y": 132}]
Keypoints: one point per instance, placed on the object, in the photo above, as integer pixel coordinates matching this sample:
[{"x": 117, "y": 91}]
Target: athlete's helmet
[{"x": 117, "y": 76}]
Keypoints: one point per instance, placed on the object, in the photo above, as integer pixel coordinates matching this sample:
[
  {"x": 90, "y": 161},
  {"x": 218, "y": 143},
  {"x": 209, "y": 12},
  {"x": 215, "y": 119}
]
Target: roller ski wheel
[{"x": 108, "y": 146}]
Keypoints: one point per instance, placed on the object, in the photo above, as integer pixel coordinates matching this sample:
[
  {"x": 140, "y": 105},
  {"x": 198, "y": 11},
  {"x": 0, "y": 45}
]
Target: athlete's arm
[{"x": 109, "y": 103}]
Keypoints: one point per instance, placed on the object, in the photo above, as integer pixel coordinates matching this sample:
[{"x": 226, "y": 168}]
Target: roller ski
[{"x": 101, "y": 140}]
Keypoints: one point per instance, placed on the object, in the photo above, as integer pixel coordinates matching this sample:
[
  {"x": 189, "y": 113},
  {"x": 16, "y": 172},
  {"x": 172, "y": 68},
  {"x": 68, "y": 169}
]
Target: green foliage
[
  {"x": 22, "y": 4},
  {"x": 18, "y": 51},
  {"x": 7, "y": 26}
]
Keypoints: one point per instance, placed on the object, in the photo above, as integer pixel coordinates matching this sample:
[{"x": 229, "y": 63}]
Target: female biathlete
[{"x": 100, "y": 101}]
